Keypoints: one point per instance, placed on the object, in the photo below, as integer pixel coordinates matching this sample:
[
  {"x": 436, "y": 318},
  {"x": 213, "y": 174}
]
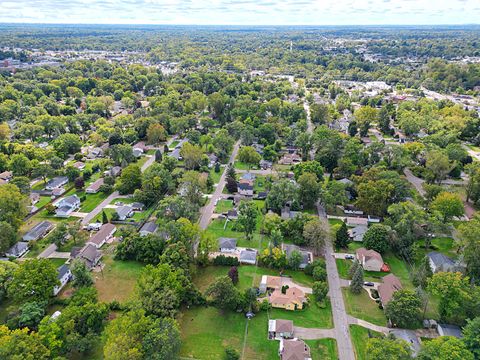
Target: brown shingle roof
[
  {"x": 284, "y": 326},
  {"x": 295, "y": 350},
  {"x": 293, "y": 295},
  {"x": 387, "y": 288}
]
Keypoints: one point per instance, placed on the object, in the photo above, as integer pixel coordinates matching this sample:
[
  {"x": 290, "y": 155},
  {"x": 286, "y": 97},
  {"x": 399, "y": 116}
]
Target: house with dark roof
[
  {"x": 17, "y": 250},
  {"x": 440, "y": 262},
  {"x": 56, "y": 182},
  {"x": 89, "y": 254},
  {"x": 137, "y": 206},
  {"x": 67, "y": 205},
  {"x": 245, "y": 189},
  {"x": 280, "y": 329},
  {"x": 227, "y": 245},
  {"x": 390, "y": 284},
  {"x": 95, "y": 186},
  {"x": 38, "y": 231},
  {"x": 64, "y": 275},
  {"x": 357, "y": 233},
  {"x": 103, "y": 235},
  {"x": 409, "y": 337},
  {"x": 307, "y": 256},
  {"x": 294, "y": 350},
  {"x": 232, "y": 214},
  {"x": 124, "y": 212},
  {"x": 148, "y": 228},
  {"x": 248, "y": 256}
]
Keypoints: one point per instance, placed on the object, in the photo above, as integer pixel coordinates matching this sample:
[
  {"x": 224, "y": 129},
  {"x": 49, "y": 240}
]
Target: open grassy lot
[
  {"x": 91, "y": 200},
  {"x": 259, "y": 184},
  {"x": 342, "y": 267},
  {"x": 57, "y": 262},
  {"x": 360, "y": 336},
  {"x": 362, "y": 307},
  {"x": 216, "y": 176},
  {"x": 444, "y": 245},
  {"x": 323, "y": 349},
  {"x": 223, "y": 206},
  {"x": 44, "y": 200},
  {"x": 312, "y": 316},
  {"x": 242, "y": 166},
  {"x": 117, "y": 280}
]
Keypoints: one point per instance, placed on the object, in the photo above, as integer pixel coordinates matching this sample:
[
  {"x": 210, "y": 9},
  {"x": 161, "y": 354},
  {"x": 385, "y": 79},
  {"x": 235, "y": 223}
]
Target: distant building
[
  {"x": 17, "y": 250},
  {"x": 103, "y": 235},
  {"x": 148, "y": 228},
  {"x": 56, "y": 182},
  {"x": 294, "y": 350},
  {"x": 280, "y": 329},
  {"x": 64, "y": 275},
  {"x": 38, "y": 231},
  {"x": 390, "y": 284},
  {"x": 248, "y": 256},
  {"x": 227, "y": 245},
  {"x": 440, "y": 262},
  {"x": 95, "y": 186},
  {"x": 370, "y": 259}
]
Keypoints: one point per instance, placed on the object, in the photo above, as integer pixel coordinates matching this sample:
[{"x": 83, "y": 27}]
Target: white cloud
[{"x": 246, "y": 12}]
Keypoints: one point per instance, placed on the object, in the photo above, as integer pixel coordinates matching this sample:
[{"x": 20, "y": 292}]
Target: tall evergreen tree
[
  {"x": 341, "y": 237},
  {"x": 356, "y": 284}
]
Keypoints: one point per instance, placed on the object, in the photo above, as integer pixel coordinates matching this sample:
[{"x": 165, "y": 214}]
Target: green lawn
[
  {"x": 312, "y": 316},
  {"x": 57, "y": 262},
  {"x": 91, "y": 201},
  {"x": 173, "y": 144},
  {"x": 323, "y": 349},
  {"x": 444, "y": 245},
  {"x": 342, "y": 267},
  {"x": 362, "y": 307},
  {"x": 223, "y": 206},
  {"x": 243, "y": 166},
  {"x": 117, "y": 280},
  {"x": 259, "y": 185},
  {"x": 44, "y": 200},
  {"x": 360, "y": 336},
  {"x": 216, "y": 176}
]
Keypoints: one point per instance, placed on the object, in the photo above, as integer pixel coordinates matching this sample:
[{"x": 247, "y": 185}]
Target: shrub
[{"x": 222, "y": 260}]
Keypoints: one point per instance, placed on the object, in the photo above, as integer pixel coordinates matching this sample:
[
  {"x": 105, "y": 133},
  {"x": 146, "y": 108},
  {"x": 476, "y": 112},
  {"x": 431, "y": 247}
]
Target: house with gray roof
[
  {"x": 17, "y": 250},
  {"x": 148, "y": 228},
  {"x": 124, "y": 212},
  {"x": 449, "y": 330},
  {"x": 245, "y": 189},
  {"x": 227, "y": 245},
  {"x": 67, "y": 205},
  {"x": 409, "y": 337},
  {"x": 38, "y": 231},
  {"x": 56, "y": 182},
  {"x": 89, "y": 255},
  {"x": 280, "y": 329},
  {"x": 64, "y": 275},
  {"x": 307, "y": 256},
  {"x": 357, "y": 233},
  {"x": 248, "y": 256},
  {"x": 440, "y": 262}
]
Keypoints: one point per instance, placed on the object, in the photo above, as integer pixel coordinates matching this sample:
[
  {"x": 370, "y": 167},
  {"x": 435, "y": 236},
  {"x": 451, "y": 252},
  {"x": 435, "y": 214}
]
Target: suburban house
[
  {"x": 95, "y": 153},
  {"x": 148, "y": 228},
  {"x": 6, "y": 176},
  {"x": 137, "y": 152},
  {"x": 64, "y": 275},
  {"x": 38, "y": 231},
  {"x": 67, "y": 205},
  {"x": 17, "y": 250},
  {"x": 293, "y": 299},
  {"x": 290, "y": 159},
  {"x": 269, "y": 282},
  {"x": 101, "y": 236},
  {"x": 124, "y": 212},
  {"x": 232, "y": 214},
  {"x": 357, "y": 233},
  {"x": 95, "y": 186},
  {"x": 294, "y": 350},
  {"x": 440, "y": 262},
  {"x": 352, "y": 210},
  {"x": 114, "y": 171},
  {"x": 79, "y": 165},
  {"x": 390, "y": 284},
  {"x": 370, "y": 260},
  {"x": 354, "y": 221},
  {"x": 34, "y": 198},
  {"x": 449, "y": 330},
  {"x": 280, "y": 329},
  {"x": 265, "y": 165},
  {"x": 212, "y": 160},
  {"x": 248, "y": 256},
  {"x": 137, "y": 206},
  {"x": 248, "y": 176},
  {"x": 227, "y": 245},
  {"x": 56, "y": 182},
  {"x": 89, "y": 254},
  {"x": 307, "y": 256},
  {"x": 245, "y": 189}
]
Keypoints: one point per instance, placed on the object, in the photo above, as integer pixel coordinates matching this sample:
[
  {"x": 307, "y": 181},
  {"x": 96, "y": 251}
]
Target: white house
[
  {"x": 95, "y": 186},
  {"x": 67, "y": 205},
  {"x": 227, "y": 245},
  {"x": 64, "y": 276},
  {"x": 56, "y": 182},
  {"x": 248, "y": 256}
]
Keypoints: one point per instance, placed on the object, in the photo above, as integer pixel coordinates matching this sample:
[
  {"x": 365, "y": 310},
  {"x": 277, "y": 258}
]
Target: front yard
[
  {"x": 362, "y": 307},
  {"x": 360, "y": 336}
]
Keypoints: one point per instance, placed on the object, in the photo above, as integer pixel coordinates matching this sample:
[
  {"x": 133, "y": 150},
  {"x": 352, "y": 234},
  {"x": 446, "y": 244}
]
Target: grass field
[
  {"x": 206, "y": 332},
  {"x": 360, "y": 336},
  {"x": 243, "y": 166},
  {"x": 223, "y": 206},
  {"x": 444, "y": 245},
  {"x": 57, "y": 262},
  {"x": 362, "y": 307},
  {"x": 91, "y": 200},
  {"x": 323, "y": 349},
  {"x": 216, "y": 176},
  {"x": 342, "y": 267},
  {"x": 117, "y": 281},
  {"x": 312, "y": 316},
  {"x": 44, "y": 200}
]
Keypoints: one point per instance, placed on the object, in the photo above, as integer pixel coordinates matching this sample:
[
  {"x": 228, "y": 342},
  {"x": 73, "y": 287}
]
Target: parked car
[
  {"x": 368, "y": 283},
  {"x": 349, "y": 257}
]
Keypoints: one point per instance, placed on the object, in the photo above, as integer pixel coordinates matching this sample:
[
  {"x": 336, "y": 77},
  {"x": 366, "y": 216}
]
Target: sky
[{"x": 242, "y": 12}]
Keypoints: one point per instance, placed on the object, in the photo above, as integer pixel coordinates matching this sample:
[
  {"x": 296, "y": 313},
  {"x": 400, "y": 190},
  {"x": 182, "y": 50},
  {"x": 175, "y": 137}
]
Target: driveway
[
  {"x": 354, "y": 321},
  {"x": 415, "y": 181},
  {"x": 313, "y": 333}
]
